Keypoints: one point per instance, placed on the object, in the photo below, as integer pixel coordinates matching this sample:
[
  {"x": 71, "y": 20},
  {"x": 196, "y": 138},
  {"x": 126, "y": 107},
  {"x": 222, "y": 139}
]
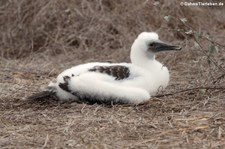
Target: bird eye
[{"x": 151, "y": 44}]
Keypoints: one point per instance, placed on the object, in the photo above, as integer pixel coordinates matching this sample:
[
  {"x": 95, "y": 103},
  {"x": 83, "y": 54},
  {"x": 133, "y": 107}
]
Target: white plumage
[{"x": 133, "y": 82}]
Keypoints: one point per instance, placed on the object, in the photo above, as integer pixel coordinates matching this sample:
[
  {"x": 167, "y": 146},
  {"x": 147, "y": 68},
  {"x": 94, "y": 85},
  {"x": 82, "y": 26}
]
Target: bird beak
[{"x": 160, "y": 46}]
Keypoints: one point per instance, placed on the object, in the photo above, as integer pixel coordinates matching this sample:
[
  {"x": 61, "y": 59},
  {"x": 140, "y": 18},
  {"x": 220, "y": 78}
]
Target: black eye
[{"x": 151, "y": 44}]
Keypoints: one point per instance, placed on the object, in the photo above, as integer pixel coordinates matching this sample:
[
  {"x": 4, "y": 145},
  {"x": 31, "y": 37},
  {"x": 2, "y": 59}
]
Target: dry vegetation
[{"x": 39, "y": 39}]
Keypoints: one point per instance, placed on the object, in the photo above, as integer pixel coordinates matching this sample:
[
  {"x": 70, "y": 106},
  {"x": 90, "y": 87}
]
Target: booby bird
[{"x": 132, "y": 83}]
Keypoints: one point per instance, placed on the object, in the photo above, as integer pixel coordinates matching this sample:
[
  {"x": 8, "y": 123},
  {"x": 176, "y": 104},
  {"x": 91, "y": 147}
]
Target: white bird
[{"x": 132, "y": 83}]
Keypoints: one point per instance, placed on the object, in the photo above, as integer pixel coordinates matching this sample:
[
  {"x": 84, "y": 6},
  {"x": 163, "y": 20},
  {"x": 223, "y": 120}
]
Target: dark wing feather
[
  {"x": 64, "y": 86},
  {"x": 117, "y": 71}
]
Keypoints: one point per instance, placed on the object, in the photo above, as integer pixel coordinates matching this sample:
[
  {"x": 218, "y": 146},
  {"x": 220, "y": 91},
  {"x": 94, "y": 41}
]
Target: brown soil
[{"x": 39, "y": 39}]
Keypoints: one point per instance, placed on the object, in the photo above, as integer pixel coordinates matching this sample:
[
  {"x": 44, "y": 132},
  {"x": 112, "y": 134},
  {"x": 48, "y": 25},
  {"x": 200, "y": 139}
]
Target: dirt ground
[{"x": 40, "y": 39}]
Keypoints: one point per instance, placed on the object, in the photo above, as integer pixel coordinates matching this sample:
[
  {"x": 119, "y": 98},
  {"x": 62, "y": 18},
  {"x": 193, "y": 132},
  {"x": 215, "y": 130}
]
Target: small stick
[{"x": 195, "y": 88}]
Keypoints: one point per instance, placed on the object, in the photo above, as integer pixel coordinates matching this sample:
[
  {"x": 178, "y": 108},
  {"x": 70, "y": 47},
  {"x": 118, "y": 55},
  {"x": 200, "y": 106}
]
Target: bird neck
[
  {"x": 145, "y": 60},
  {"x": 154, "y": 68}
]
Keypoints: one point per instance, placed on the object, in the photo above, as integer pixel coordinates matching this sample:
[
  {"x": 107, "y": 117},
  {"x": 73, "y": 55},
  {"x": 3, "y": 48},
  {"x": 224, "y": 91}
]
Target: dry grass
[{"x": 39, "y": 39}]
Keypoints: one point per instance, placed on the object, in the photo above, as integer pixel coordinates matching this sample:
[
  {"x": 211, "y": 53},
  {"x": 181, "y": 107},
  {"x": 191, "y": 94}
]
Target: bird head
[{"x": 149, "y": 42}]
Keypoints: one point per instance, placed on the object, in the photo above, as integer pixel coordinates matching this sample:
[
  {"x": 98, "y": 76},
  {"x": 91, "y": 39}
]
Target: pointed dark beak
[{"x": 160, "y": 46}]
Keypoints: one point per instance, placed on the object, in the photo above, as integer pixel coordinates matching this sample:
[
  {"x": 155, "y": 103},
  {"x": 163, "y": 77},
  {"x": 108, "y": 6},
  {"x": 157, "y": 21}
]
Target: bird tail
[{"x": 48, "y": 92}]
